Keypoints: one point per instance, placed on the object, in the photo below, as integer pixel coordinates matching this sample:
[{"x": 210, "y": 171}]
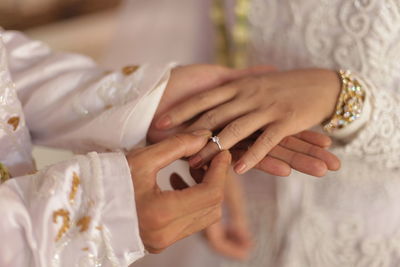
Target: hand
[
  {"x": 166, "y": 217},
  {"x": 230, "y": 237},
  {"x": 278, "y": 103},
  {"x": 305, "y": 152},
  {"x": 190, "y": 80}
]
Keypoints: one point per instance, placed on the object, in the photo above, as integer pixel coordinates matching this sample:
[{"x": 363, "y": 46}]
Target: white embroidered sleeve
[
  {"x": 77, "y": 213},
  {"x": 72, "y": 103}
]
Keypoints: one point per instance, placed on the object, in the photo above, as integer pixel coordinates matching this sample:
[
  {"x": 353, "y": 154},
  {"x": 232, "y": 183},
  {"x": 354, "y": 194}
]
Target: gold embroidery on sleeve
[
  {"x": 4, "y": 173},
  {"x": 66, "y": 222},
  {"x": 14, "y": 122},
  {"x": 74, "y": 189},
  {"x": 84, "y": 223},
  {"x": 129, "y": 69},
  {"x": 85, "y": 249}
]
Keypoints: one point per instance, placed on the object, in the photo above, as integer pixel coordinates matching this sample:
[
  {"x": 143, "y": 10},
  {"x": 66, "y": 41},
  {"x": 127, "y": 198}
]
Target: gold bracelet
[{"x": 349, "y": 105}]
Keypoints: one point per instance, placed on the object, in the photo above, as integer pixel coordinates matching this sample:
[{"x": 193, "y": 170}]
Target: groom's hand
[{"x": 166, "y": 217}]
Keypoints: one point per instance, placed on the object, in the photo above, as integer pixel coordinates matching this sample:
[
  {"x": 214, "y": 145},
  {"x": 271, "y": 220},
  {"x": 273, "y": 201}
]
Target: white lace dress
[{"x": 351, "y": 217}]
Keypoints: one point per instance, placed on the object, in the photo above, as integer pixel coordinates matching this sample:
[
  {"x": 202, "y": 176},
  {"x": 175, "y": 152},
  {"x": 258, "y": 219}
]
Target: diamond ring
[{"x": 215, "y": 139}]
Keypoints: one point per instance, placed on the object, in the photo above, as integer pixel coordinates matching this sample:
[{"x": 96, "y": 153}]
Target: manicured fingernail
[
  {"x": 195, "y": 162},
  {"x": 202, "y": 133},
  {"x": 240, "y": 168},
  {"x": 164, "y": 122}
]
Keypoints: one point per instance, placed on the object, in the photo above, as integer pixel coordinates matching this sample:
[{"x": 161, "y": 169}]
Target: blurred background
[{"x": 82, "y": 26}]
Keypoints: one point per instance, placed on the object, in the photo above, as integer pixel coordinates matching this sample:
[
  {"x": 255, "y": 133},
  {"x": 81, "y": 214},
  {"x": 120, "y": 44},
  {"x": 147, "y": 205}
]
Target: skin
[
  {"x": 196, "y": 94},
  {"x": 305, "y": 152},
  {"x": 279, "y": 104},
  {"x": 230, "y": 237},
  {"x": 166, "y": 217}
]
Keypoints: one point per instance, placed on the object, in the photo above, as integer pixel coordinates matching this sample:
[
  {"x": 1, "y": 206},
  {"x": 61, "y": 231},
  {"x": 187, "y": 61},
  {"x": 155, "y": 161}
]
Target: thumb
[
  {"x": 155, "y": 157},
  {"x": 217, "y": 173}
]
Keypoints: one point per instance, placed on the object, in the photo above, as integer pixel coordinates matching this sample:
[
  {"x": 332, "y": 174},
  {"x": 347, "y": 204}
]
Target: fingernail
[
  {"x": 202, "y": 133},
  {"x": 195, "y": 161},
  {"x": 240, "y": 168},
  {"x": 164, "y": 122}
]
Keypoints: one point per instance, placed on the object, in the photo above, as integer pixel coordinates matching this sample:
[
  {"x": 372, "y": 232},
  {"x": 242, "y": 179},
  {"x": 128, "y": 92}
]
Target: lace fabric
[
  {"x": 349, "y": 218},
  {"x": 360, "y": 35}
]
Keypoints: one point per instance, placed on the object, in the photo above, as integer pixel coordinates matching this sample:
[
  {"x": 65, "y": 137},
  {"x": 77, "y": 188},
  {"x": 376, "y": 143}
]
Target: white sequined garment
[
  {"x": 80, "y": 212},
  {"x": 351, "y": 217}
]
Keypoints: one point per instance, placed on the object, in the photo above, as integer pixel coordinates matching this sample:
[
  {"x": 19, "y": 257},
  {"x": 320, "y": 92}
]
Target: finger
[
  {"x": 181, "y": 145},
  {"x": 194, "y": 106},
  {"x": 299, "y": 161},
  {"x": 274, "y": 166},
  {"x": 297, "y": 145},
  {"x": 271, "y": 136},
  {"x": 157, "y": 240},
  {"x": 207, "y": 194},
  {"x": 315, "y": 138},
  {"x": 220, "y": 116},
  {"x": 154, "y": 135},
  {"x": 148, "y": 161},
  {"x": 270, "y": 165},
  {"x": 233, "y": 133},
  {"x": 230, "y": 246}
]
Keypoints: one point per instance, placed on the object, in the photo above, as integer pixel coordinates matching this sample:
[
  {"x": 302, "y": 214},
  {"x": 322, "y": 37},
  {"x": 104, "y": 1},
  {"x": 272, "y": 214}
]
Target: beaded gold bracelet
[{"x": 349, "y": 105}]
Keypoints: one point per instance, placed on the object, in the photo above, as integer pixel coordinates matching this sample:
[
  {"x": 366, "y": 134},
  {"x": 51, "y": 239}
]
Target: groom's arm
[{"x": 72, "y": 103}]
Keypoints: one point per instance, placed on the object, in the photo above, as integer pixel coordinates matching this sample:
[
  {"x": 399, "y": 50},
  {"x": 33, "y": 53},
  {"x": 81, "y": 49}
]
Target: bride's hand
[
  {"x": 278, "y": 103},
  {"x": 187, "y": 81}
]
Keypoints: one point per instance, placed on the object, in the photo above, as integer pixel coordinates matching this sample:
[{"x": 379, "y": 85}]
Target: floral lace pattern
[
  {"x": 350, "y": 218},
  {"x": 360, "y": 35}
]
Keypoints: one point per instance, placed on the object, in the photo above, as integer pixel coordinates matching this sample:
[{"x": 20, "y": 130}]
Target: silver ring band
[{"x": 215, "y": 139}]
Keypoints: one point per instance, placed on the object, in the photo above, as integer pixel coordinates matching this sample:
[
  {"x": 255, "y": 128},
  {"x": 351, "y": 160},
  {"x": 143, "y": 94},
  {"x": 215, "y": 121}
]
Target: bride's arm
[{"x": 71, "y": 102}]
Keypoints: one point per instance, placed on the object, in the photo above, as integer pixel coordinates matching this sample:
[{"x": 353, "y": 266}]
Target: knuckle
[
  {"x": 156, "y": 218},
  {"x": 202, "y": 100},
  {"x": 234, "y": 129},
  {"x": 289, "y": 112},
  {"x": 285, "y": 109},
  {"x": 253, "y": 156},
  {"x": 210, "y": 119},
  {"x": 267, "y": 140},
  {"x": 180, "y": 141},
  {"x": 157, "y": 242},
  {"x": 154, "y": 250},
  {"x": 286, "y": 141}
]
